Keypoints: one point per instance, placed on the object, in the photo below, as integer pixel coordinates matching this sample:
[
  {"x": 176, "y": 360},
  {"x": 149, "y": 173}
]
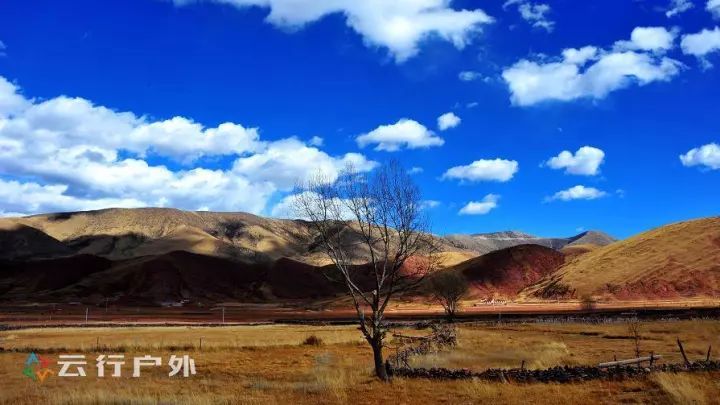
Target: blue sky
[{"x": 222, "y": 105}]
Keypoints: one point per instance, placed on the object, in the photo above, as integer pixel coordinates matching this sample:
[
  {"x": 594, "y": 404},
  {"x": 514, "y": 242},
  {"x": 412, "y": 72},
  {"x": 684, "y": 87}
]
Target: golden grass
[
  {"x": 163, "y": 338},
  {"x": 269, "y": 365},
  {"x": 687, "y": 389},
  {"x": 672, "y": 253}
]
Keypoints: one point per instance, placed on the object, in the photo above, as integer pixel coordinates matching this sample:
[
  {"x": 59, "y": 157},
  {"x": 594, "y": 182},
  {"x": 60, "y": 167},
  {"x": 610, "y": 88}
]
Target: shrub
[{"x": 312, "y": 340}]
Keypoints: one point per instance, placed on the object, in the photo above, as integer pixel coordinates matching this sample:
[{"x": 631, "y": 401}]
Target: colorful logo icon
[{"x": 37, "y": 367}]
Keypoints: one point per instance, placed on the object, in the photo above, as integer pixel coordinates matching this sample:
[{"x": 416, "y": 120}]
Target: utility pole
[
  {"x": 87, "y": 310},
  {"x": 106, "y": 303},
  {"x": 223, "y": 315}
]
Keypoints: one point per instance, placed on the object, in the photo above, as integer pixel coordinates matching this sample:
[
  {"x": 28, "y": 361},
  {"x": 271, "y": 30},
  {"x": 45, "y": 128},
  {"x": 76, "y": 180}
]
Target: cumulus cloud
[
  {"x": 415, "y": 170},
  {"x": 648, "y": 39},
  {"x": 65, "y": 122},
  {"x": 482, "y": 207},
  {"x": 713, "y": 6},
  {"x": 500, "y": 170},
  {"x": 447, "y": 121},
  {"x": 399, "y": 26},
  {"x": 707, "y": 156},
  {"x": 284, "y": 162},
  {"x": 677, "y": 7},
  {"x": 590, "y": 72},
  {"x": 585, "y": 161},
  {"x": 577, "y": 193},
  {"x": 405, "y": 133},
  {"x": 83, "y": 156},
  {"x": 701, "y": 44},
  {"x": 20, "y": 198},
  {"x": 2, "y": 49},
  {"x": 534, "y": 13}
]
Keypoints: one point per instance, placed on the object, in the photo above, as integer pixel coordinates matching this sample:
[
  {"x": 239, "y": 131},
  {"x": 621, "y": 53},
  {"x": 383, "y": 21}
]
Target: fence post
[
  {"x": 682, "y": 351},
  {"x": 707, "y": 358}
]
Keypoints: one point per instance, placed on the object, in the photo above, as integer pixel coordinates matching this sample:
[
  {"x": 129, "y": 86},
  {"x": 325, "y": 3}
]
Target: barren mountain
[
  {"x": 159, "y": 255},
  {"x": 127, "y": 233},
  {"x": 167, "y": 255},
  {"x": 506, "y": 272},
  {"x": 483, "y": 243},
  {"x": 677, "y": 260}
]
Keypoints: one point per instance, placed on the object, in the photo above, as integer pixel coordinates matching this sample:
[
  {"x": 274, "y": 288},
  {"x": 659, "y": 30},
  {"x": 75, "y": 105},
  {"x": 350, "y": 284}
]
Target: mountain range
[{"x": 156, "y": 255}]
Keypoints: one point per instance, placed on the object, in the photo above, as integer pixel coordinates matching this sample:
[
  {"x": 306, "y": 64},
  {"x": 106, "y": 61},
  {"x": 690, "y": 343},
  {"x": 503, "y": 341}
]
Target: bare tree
[
  {"x": 373, "y": 229},
  {"x": 448, "y": 289},
  {"x": 633, "y": 327}
]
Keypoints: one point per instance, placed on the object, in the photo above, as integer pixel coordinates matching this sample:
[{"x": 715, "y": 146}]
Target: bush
[{"x": 312, "y": 340}]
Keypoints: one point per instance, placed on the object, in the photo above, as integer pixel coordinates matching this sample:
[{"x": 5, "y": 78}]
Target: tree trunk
[{"x": 380, "y": 370}]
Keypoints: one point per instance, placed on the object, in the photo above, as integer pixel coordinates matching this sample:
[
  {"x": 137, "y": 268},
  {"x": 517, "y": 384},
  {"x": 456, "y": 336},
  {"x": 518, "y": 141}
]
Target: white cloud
[
  {"x": 577, "y": 193},
  {"x": 284, "y": 162},
  {"x": 589, "y": 72},
  {"x": 11, "y": 102},
  {"x": 678, "y": 7},
  {"x": 469, "y": 75},
  {"x": 701, "y": 44},
  {"x": 400, "y": 26},
  {"x": 64, "y": 122},
  {"x": 484, "y": 170},
  {"x": 648, "y": 39},
  {"x": 26, "y": 198},
  {"x": 316, "y": 141},
  {"x": 429, "y": 204},
  {"x": 579, "y": 56},
  {"x": 66, "y": 154},
  {"x": 447, "y": 121},
  {"x": 404, "y": 133},
  {"x": 706, "y": 155},
  {"x": 586, "y": 161},
  {"x": 2, "y": 49},
  {"x": 534, "y": 13},
  {"x": 713, "y": 6},
  {"x": 415, "y": 170},
  {"x": 487, "y": 204},
  {"x": 286, "y": 208}
]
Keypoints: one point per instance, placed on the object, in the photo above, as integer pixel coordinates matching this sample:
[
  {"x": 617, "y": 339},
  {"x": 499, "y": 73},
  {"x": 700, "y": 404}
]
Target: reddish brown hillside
[
  {"x": 152, "y": 279},
  {"x": 670, "y": 262},
  {"x": 289, "y": 278},
  {"x": 507, "y": 271}
]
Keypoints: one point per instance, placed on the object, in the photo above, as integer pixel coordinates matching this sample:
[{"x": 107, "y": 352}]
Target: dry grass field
[{"x": 270, "y": 364}]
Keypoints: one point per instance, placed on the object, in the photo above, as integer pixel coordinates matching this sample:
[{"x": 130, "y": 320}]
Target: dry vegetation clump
[{"x": 313, "y": 340}]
